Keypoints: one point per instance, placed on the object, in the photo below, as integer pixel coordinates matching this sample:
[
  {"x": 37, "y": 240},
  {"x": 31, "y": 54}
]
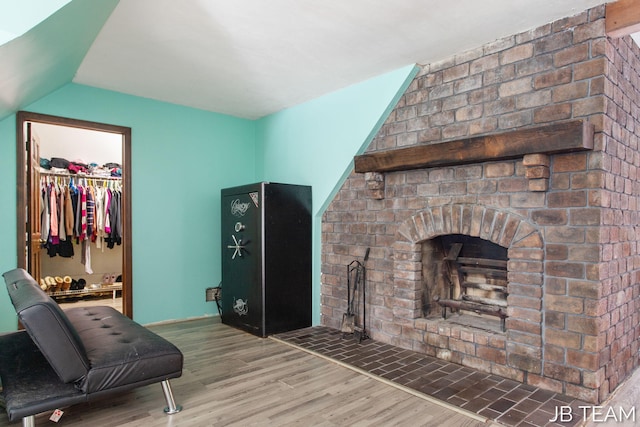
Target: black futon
[{"x": 64, "y": 357}]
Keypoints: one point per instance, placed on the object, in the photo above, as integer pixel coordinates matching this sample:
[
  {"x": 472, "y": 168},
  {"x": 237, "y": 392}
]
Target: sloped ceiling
[
  {"x": 251, "y": 58},
  {"x": 48, "y": 56}
]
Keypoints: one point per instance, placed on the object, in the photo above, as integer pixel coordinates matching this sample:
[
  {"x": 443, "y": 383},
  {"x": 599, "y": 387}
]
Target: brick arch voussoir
[{"x": 502, "y": 228}]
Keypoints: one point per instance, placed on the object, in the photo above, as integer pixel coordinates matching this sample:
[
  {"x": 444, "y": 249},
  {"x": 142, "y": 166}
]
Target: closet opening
[{"x": 74, "y": 209}]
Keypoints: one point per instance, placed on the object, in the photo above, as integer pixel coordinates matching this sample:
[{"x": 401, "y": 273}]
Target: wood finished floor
[
  {"x": 89, "y": 302},
  {"x": 235, "y": 379}
]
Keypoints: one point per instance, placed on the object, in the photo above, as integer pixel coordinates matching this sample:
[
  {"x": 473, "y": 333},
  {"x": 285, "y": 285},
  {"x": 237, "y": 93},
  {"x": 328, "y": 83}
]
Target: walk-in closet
[
  {"x": 77, "y": 214},
  {"x": 81, "y": 224}
]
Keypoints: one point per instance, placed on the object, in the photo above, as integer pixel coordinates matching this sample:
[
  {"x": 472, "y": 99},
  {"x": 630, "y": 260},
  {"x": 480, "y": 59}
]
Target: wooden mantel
[
  {"x": 563, "y": 137},
  {"x": 622, "y": 18}
]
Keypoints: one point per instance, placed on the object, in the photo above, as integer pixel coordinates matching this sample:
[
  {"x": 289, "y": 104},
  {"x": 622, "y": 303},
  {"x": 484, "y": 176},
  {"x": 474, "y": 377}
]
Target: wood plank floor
[{"x": 235, "y": 379}]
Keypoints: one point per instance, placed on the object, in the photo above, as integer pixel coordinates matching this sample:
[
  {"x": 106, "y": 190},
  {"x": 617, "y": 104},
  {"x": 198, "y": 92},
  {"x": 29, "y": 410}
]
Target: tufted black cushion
[
  {"x": 120, "y": 351},
  {"x": 48, "y": 326}
]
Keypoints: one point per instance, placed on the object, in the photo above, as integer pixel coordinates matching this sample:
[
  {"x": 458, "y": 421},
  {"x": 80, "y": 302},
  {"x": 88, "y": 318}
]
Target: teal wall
[
  {"x": 182, "y": 157},
  {"x": 8, "y": 197},
  {"x": 314, "y": 143}
]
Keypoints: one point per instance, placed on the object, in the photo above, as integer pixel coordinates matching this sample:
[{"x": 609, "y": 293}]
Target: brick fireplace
[{"x": 567, "y": 218}]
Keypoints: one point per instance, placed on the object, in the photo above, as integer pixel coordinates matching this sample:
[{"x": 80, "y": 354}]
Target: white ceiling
[{"x": 251, "y": 58}]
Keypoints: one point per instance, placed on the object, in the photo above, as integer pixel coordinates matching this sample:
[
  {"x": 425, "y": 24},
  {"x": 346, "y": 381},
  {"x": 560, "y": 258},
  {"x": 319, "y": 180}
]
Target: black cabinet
[{"x": 266, "y": 257}]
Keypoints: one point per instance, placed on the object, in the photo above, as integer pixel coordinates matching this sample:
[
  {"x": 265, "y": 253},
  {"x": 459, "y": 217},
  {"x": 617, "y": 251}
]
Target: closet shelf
[{"x": 77, "y": 293}]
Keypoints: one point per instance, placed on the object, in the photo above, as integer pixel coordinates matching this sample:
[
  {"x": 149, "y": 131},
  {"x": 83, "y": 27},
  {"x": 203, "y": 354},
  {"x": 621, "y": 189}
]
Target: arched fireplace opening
[{"x": 465, "y": 281}]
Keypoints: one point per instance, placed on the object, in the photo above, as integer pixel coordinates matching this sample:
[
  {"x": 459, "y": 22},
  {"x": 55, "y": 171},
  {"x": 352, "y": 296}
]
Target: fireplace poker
[{"x": 360, "y": 332}]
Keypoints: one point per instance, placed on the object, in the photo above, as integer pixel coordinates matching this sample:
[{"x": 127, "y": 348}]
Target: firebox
[{"x": 465, "y": 280}]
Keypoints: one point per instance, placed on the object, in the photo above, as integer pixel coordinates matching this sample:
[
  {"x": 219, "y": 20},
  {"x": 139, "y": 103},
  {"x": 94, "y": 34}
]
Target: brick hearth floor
[{"x": 496, "y": 398}]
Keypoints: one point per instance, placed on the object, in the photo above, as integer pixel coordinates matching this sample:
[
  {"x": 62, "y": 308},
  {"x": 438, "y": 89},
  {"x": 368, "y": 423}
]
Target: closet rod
[{"x": 68, "y": 175}]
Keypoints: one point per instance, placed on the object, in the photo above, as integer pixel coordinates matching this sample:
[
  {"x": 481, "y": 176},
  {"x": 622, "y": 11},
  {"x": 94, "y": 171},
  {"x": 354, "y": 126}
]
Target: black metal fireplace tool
[{"x": 356, "y": 300}]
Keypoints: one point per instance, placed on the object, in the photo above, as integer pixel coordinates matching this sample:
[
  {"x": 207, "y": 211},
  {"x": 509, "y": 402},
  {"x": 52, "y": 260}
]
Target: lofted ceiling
[{"x": 250, "y": 58}]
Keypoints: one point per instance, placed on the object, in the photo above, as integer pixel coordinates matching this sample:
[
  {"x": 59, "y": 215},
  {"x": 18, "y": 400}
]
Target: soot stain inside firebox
[{"x": 450, "y": 262}]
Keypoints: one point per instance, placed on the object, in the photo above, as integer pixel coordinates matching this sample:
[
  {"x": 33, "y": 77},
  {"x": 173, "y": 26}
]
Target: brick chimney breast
[{"x": 568, "y": 221}]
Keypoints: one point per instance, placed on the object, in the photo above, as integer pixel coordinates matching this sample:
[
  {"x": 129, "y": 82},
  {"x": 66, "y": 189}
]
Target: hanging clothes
[
  {"x": 86, "y": 212},
  {"x": 83, "y": 214},
  {"x": 99, "y": 205},
  {"x": 85, "y": 256},
  {"x": 115, "y": 234},
  {"x": 62, "y": 232},
  {"x": 77, "y": 229},
  {"x": 44, "y": 212},
  {"x": 53, "y": 211},
  {"x": 90, "y": 213},
  {"x": 53, "y": 215},
  {"x": 107, "y": 217},
  {"x": 68, "y": 211}
]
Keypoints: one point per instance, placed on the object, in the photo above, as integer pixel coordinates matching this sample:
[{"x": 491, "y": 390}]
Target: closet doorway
[{"x": 36, "y": 171}]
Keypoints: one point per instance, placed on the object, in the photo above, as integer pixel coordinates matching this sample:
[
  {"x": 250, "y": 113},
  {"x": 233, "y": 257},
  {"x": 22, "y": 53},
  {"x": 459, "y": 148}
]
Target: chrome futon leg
[{"x": 171, "y": 408}]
